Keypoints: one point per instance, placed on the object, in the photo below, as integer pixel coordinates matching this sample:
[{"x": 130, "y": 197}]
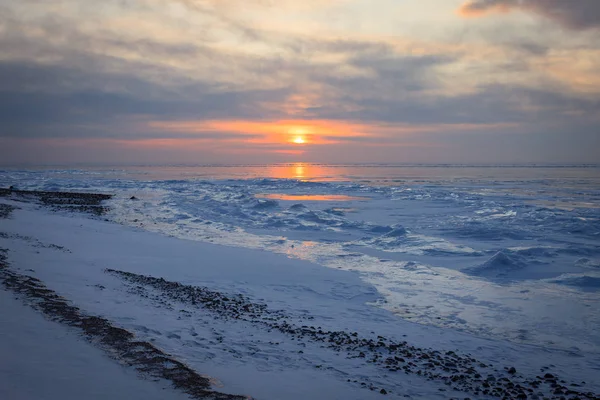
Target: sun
[
  {"x": 299, "y": 140},
  {"x": 298, "y": 134}
]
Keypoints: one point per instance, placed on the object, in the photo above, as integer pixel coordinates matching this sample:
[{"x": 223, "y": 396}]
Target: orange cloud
[
  {"x": 578, "y": 15},
  {"x": 476, "y": 9}
]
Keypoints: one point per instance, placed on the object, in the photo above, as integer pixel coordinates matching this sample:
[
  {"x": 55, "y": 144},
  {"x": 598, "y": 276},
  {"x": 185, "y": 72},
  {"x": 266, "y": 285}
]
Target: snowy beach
[
  {"x": 300, "y": 200},
  {"x": 259, "y": 323}
]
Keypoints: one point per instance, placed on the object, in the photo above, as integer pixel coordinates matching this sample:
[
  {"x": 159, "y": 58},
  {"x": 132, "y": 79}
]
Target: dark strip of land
[{"x": 83, "y": 202}]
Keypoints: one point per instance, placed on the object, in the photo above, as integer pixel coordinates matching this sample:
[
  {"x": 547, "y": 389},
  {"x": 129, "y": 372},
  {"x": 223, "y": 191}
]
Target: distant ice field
[{"x": 509, "y": 252}]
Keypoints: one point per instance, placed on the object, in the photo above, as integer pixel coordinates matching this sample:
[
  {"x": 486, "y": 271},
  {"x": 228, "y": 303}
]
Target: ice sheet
[{"x": 482, "y": 249}]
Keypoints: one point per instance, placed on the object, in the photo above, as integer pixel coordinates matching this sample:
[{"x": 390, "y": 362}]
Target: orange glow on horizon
[
  {"x": 313, "y": 132},
  {"x": 290, "y": 152},
  {"x": 287, "y": 137}
]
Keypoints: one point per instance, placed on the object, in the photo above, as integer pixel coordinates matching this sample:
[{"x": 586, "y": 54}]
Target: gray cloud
[
  {"x": 54, "y": 101},
  {"x": 493, "y": 104}
]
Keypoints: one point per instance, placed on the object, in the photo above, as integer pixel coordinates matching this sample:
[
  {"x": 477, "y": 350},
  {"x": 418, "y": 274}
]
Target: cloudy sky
[{"x": 253, "y": 81}]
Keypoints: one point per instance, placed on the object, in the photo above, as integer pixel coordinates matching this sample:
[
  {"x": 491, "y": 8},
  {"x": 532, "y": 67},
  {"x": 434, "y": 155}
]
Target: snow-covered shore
[
  {"x": 252, "y": 354},
  {"x": 40, "y": 359},
  {"x": 503, "y": 253}
]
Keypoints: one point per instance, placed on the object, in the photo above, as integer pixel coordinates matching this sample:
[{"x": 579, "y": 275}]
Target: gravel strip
[
  {"x": 458, "y": 372},
  {"x": 118, "y": 343}
]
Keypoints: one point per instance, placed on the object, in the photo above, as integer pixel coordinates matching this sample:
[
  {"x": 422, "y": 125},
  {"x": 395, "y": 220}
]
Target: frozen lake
[{"x": 505, "y": 252}]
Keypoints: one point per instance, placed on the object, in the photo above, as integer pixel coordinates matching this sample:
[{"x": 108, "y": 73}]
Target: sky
[{"x": 334, "y": 81}]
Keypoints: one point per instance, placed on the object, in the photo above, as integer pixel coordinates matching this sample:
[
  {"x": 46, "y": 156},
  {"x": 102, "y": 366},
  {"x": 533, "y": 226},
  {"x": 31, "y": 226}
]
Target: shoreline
[
  {"x": 117, "y": 343},
  {"x": 457, "y": 373}
]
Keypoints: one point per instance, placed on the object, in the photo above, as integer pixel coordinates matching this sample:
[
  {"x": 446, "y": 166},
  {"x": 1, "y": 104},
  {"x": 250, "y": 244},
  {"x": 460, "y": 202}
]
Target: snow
[
  {"x": 451, "y": 222},
  {"x": 43, "y": 360},
  {"x": 70, "y": 253},
  {"x": 501, "y": 263}
]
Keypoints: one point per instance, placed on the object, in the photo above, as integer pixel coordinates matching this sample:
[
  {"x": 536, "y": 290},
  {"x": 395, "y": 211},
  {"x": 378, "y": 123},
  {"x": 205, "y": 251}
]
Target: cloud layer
[{"x": 229, "y": 81}]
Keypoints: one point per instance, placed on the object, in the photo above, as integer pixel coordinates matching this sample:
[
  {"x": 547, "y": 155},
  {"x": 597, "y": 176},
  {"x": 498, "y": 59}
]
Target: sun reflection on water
[
  {"x": 308, "y": 197},
  {"x": 299, "y": 171}
]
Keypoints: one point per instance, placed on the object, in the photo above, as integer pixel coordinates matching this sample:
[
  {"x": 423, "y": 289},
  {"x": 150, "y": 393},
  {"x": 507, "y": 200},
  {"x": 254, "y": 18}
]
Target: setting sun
[{"x": 298, "y": 134}]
